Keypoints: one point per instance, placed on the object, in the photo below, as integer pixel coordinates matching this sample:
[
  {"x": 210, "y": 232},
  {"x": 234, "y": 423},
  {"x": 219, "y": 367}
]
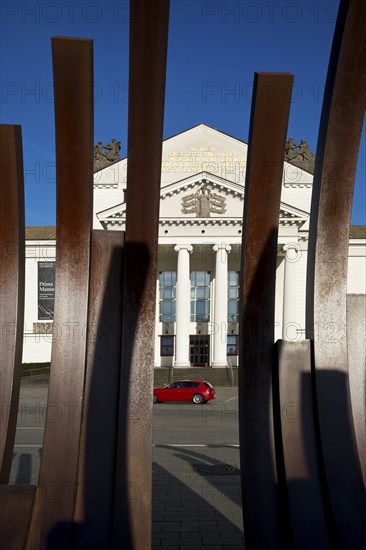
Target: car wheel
[
  {"x": 155, "y": 399},
  {"x": 197, "y": 399}
]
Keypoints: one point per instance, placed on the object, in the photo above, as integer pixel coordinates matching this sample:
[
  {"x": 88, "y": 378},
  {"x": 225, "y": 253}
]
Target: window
[
  {"x": 190, "y": 385},
  {"x": 167, "y": 346},
  {"x": 232, "y": 345},
  {"x": 167, "y": 290},
  {"x": 233, "y": 296},
  {"x": 200, "y": 296}
]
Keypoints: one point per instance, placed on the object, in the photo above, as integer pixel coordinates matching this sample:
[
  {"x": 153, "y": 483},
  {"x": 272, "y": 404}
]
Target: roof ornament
[
  {"x": 299, "y": 154},
  {"x": 105, "y": 155},
  {"x": 203, "y": 202}
]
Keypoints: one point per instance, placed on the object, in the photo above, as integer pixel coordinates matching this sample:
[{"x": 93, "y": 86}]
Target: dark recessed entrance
[{"x": 199, "y": 350}]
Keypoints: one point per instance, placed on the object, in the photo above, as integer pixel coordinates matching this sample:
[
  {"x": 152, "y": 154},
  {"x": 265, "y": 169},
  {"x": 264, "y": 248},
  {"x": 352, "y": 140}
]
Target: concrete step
[{"x": 216, "y": 376}]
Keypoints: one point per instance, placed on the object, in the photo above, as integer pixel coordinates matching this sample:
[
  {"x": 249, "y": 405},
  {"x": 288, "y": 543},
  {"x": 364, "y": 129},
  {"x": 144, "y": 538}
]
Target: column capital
[
  {"x": 222, "y": 246},
  {"x": 179, "y": 247},
  {"x": 290, "y": 246},
  {"x": 292, "y": 252}
]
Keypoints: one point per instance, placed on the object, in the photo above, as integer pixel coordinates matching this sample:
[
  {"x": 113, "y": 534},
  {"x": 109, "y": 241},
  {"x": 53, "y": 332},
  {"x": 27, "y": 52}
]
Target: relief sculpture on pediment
[{"x": 203, "y": 203}]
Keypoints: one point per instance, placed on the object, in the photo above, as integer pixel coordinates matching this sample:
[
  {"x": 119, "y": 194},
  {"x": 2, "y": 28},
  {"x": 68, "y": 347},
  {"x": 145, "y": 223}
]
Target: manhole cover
[{"x": 215, "y": 470}]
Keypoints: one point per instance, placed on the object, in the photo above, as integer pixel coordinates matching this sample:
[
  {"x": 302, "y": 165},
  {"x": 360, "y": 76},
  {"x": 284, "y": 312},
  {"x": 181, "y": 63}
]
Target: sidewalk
[{"x": 196, "y": 498}]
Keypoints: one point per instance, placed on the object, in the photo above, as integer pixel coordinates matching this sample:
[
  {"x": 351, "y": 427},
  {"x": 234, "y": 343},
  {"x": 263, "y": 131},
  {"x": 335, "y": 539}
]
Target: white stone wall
[
  {"x": 37, "y": 347},
  {"x": 356, "y": 280}
]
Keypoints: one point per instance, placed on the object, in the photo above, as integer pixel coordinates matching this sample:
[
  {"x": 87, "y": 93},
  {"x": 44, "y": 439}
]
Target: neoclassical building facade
[{"x": 201, "y": 210}]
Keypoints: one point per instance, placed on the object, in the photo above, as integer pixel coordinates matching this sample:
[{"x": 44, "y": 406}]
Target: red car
[{"x": 197, "y": 391}]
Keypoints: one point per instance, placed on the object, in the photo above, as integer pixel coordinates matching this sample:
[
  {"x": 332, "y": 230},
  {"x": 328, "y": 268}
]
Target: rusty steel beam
[
  {"x": 263, "y": 522},
  {"x": 12, "y": 267},
  {"x": 95, "y": 487},
  {"x": 148, "y": 52},
  {"x": 73, "y": 80},
  {"x": 301, "y": 471},
  {"x": 356, "y": 330},
  {"x": 16, "y": 503},
  {"x": 336, "y": 159}
]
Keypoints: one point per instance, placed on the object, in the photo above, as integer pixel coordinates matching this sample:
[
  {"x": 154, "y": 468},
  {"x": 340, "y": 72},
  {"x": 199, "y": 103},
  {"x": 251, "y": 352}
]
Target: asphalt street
[
  {"x": 196, "y": 477},
  {"x": 211, "y": 425}
]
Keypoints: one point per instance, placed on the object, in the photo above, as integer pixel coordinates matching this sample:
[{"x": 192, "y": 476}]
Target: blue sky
[{"x": 214, "y": 49}]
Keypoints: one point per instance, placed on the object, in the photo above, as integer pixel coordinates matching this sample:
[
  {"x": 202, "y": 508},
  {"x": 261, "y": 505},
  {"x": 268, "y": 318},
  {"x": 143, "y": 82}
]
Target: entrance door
[{"x": 199, "y": 348}]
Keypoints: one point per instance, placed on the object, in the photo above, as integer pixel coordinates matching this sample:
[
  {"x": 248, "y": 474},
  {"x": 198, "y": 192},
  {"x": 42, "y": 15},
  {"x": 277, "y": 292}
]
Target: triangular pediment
[
  {"x": 201, "y": 198},
  {"x": 289, "y": 215},
  {"x": 198, "y": 157}
]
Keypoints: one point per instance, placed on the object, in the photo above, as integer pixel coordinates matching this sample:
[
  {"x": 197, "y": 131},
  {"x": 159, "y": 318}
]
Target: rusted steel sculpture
[
  {"x": 73, "y": 79},
  {"x": 267, "y": 138},
  {"x": 104, "y": 493},
  {"x": 12, "y": 265},
  {"x": 15, "y": 502},
  {"x": 316, "y": 468},
  {"x": 95, "y": 493},
  {"x": 335, "y": 167},
  {"x": 148, "y": 53},
  {"x": 301, "y": 477},
  {"x": 356, "y": 330}
]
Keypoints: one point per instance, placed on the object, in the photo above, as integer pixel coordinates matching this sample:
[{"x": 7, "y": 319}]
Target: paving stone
[
  {"x": 171, "y": 526},
  {"x": 190, "y": 506},
  {"x": 190, "y": 527},
  {"x": 200, "y": 547},
  {"x": 169, "y": 535},
  {"x": 207, "y": 540},
  {"x": 172, "y": 517},
  {"x": 175, "y": 508},
  {"x": 165, "y": 547},
  {"x": 193, "y": 541},
  {"x": 234, "y": 543},
  {"x": 190, "y": 534}
]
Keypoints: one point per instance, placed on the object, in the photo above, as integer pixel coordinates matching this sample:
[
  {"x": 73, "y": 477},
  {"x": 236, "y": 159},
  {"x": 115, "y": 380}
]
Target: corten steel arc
[
  {"x": 336, "y": 159},
  {"x": 267, "y": 137},
  {"x": 12, "y": 265},
  {"x": 16, "y": 503},
  {"x": 73, "y": 85},
  {"x": 356, "y": 330},
  {"x": 95, "y": 485},
  {"x": 301, "y": 477},
  {"x": 148, "y": 52}
]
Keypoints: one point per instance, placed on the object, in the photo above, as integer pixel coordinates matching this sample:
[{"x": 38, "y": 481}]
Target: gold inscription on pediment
[{"x": 203, "y": 159}]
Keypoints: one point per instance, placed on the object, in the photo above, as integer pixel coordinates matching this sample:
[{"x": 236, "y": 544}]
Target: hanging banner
[{"x": 46, "y": 290}]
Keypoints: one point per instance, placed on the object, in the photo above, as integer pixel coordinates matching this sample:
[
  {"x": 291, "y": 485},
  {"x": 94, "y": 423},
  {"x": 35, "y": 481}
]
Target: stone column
[
  {"x": 220, "y": 312},
  {"x": 183, "y": 306},
  {"x": 291, "y": 251}
]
